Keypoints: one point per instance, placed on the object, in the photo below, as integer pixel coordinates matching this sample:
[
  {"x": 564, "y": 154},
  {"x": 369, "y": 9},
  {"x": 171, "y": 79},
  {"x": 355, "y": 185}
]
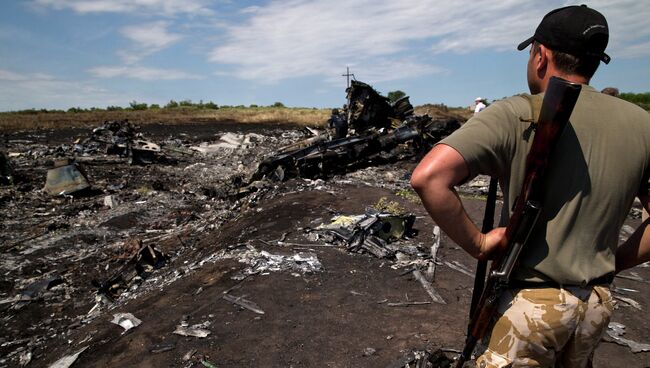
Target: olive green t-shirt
[{"x": 601, "y": 162}]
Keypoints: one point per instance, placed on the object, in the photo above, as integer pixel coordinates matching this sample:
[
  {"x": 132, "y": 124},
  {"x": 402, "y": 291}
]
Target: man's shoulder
[
  {"x": 622, "y": 108},
  {"x": 513, "y": 109}
]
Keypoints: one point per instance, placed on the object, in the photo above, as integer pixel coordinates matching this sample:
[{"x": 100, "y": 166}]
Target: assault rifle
[{"x": 559, "y": 101}]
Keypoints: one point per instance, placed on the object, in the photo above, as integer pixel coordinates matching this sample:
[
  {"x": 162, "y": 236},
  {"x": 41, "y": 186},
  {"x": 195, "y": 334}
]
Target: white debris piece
[
  {"x": 110, "y": 201},
  {"x": 616, "y": 330},
  {"x": 126, "y": 320},
  {"x": 198, "y": 330},
  {"x": 67, "y": 361},
  {"x": 229, "y": 142}
]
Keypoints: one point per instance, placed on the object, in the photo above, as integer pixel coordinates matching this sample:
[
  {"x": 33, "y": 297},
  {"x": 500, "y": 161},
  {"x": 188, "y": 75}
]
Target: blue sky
[{"x": 65, "y": 53}]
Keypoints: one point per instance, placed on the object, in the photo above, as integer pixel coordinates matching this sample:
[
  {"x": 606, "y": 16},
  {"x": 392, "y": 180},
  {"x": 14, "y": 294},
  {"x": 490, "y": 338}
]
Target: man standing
[
  {"x": 480, "y": 105},
  {"x": 559, "y": 303}
]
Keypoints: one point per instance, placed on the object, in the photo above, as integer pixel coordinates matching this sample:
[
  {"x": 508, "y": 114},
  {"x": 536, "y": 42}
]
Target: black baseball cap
[{"x": 576, "y": 30}]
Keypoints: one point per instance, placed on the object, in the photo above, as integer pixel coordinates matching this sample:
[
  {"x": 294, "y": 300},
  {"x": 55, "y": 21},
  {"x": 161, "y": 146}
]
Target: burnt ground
[{"x": 337, "y": 316}]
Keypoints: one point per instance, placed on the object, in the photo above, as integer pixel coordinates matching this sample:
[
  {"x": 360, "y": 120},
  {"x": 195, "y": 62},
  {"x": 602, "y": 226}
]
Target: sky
[{"x": 58, "y": 54}]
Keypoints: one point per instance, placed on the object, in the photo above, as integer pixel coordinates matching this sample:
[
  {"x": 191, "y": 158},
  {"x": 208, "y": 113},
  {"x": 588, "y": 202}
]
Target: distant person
[
  {"x": 558, "y": 302},
  {"x": 339, "y": 124},
  {"x": 480, "y": 105},
  {"x": 612, "y": 91}
]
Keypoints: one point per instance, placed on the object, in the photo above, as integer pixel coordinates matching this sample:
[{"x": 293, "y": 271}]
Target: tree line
[
  {"x": 641, "y": 99},
  {"x": 141, "y": 106}
]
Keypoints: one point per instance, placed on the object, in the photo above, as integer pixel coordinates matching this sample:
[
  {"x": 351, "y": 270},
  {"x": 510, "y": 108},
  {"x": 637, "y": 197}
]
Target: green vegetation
[
  {"x": 138, "y": 106},
  {"x": 384, "y": 205},
  {"x": 395, "y": 95},
  {"x": 410, "y": 195},
  {"x": 641, "y": 99}
]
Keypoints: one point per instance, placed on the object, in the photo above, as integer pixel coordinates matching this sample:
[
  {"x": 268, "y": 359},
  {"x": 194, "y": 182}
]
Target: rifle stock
[
  {"x": 488, "y": 224},
  {"x": 557, "y": 106}
]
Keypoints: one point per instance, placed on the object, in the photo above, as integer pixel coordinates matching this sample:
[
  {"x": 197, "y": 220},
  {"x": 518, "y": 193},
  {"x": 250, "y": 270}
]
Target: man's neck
[{"x": 573, "y": 78}]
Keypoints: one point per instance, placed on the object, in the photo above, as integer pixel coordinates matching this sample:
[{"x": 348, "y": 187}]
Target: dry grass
[
  {"x": 442, "y": 111},
  {"x": 12, "y": 121}
]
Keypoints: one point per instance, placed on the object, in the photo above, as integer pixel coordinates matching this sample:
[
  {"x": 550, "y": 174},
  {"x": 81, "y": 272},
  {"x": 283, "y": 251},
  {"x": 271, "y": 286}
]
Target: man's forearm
[{"x": 635, "y": 250}]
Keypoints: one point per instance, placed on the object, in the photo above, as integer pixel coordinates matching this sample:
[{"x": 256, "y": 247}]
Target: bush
[
  {"x": 278, "y": 104},
  {"x": 137, "y": 106},
  {"x": 171, "y": 104},
  {"x": 641, "y": 99},
  {"x": 114, "y": 108},
  {"x": 211, "y": 105},
  {"x": 186, "y": 103},
  {"x": 154, "y": 107},
  {"x": 395, "y": 95}
]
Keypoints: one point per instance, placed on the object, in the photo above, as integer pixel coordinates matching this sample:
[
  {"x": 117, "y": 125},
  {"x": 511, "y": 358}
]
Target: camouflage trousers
[{"x": 548, "y": 327}]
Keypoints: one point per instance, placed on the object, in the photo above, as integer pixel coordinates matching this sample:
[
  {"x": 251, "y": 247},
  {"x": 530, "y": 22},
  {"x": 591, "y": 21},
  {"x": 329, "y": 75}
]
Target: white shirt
[{"x": 479, "y": 107}]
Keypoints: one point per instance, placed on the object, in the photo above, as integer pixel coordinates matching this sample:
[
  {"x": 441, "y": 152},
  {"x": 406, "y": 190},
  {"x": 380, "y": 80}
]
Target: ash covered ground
[{"x": 244, "y": 280}]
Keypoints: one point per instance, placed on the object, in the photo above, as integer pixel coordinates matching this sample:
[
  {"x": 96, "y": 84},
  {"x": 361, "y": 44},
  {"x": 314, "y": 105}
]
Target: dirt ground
[{"x": 340, "y": 315}]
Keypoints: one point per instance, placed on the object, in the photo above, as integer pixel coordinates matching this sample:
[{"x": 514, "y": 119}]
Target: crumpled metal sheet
[
  {"x": 262, "y": 262},
  {"x": 372, "y": 232},
  {"x": 65, "y": 180},
  {"x": 126, "y": 320}
]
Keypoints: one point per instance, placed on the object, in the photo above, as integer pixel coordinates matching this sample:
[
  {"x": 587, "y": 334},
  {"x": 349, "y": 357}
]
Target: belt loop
[{"x": 602, "y": 292}]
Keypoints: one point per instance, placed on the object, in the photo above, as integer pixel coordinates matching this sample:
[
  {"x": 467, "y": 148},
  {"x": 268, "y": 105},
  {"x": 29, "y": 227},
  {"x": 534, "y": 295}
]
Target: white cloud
[
  {"x": 6, "y": 75},
  {"x": 300, "y": 38},
  {"x": 628, "y": 27},
  {"x": 139, "y": 72},
  {"x": 149, "y": 38},
  {"x": 38, "y": 90},
  {"x": 165, "y": 7},
  {"x": 295, "y": 38}
]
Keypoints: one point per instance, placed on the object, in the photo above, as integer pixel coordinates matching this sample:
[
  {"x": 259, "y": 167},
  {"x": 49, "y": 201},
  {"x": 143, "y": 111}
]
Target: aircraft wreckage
[{"x": 368, "y": 130}]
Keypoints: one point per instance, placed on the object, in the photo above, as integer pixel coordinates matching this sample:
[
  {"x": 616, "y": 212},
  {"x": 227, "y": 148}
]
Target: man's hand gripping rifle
[{"x": 558, "y": 103}]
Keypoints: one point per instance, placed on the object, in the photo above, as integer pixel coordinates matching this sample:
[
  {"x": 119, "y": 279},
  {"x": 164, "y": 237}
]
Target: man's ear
[{"x": 542, "y": 59}]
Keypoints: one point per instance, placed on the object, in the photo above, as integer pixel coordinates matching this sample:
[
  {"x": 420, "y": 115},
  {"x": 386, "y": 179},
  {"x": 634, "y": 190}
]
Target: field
[
  {"x": 12, "y": 121},
  {"x": 355, "y": 310}
]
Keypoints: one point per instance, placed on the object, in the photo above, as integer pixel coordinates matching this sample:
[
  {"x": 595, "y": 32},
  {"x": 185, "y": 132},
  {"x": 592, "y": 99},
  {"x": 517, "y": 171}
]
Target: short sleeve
[{"x": 488, "y": 141}]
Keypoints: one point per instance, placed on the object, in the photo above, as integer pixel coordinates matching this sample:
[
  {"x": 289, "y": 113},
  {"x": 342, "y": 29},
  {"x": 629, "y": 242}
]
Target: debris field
[{"x": 169, "y": 255}]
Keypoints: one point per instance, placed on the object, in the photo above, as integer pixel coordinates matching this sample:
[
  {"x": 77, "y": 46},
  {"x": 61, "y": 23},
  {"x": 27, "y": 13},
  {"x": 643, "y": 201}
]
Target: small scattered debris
[
  {"x": 423, "y": 359},
  {"x": 263, "y": 261},
  {"x": 146, "y": 259},
  {"x": 25, "y": 358},
  {"x": 435, "y": 296},
  {"x": 208, "y": 364},
  {"x": 431, "y": 270},
  {"x": 162, "y": 348},
  {"x": 406, "y": 304},
  {"x": 67, "y": 361},
  {"x": 189, "y": 355},
  {"x": 198, "y": 330},
  {"x": 126, "y": 320},
  {"x": 247, "y": 304},
  {"x": 629, "y": 301},
  {"x": 369, "y": 351},
  {"x": 615, "y": 332},
  {"x": 110, "y": 201},
  {"x": 459, "y": 267},
  {"x": 632, "y": 276}
]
